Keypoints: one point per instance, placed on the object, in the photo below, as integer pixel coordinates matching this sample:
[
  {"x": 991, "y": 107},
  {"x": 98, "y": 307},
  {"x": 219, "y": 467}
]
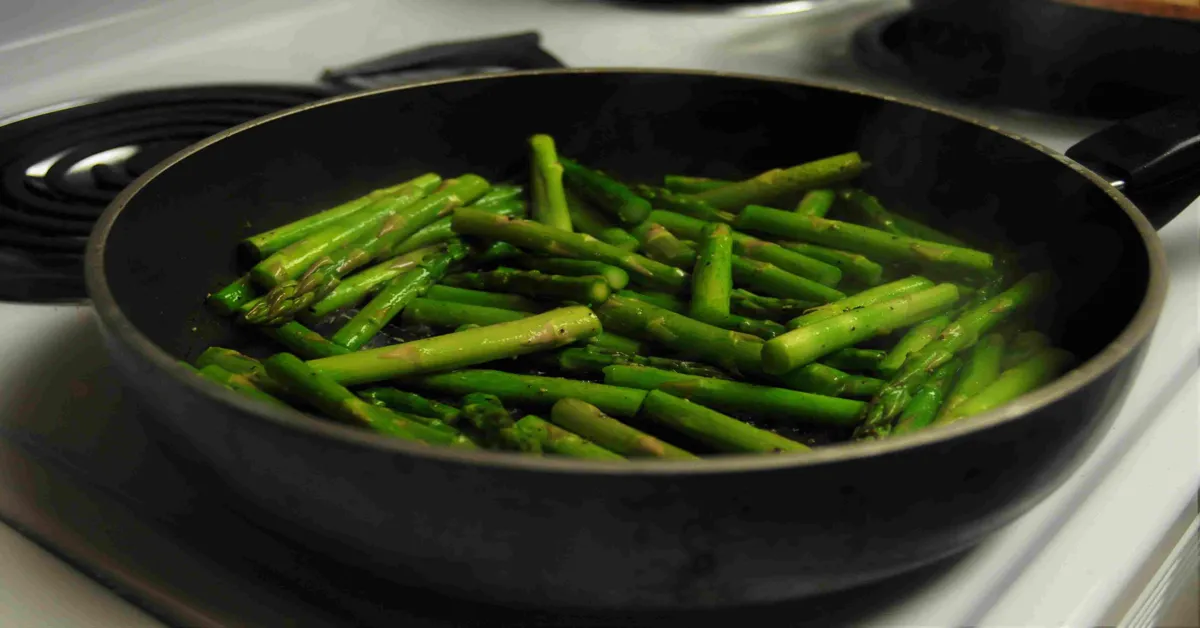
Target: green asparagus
[
  {"x": 745, "y": 303},
  {"x": 927, "y": 400},
  {"x": 916, "y": 339},
  {"x": 860, "y": 360},
  {"x": 591, "y": 423},
  {"x": 549, "y": 199},
  {"x": 1027, "y": 376},
  {"x": 586, "y": 219},
  {"x": 683, "y": 204},
  {"x": 486, "y": 299},
  {"x": 660, "y": 299},
  {"x": 606, "y": 193},
  {"x": 816, "y": 202},
  {"x": 682, "y": 184},
  {"x": 1024, "y": 345},
  {"x": 555, "y": 439},
  {"x": 773, "y": 184},
  {"x": 534, "y": 284},
  {"x": 616, "y": 278},
  {"x": 661, "y": 245},
  {"x": 303, "y": 341},
  {"x": 357, "y": 287},
  {"x": 445, "y": 314},
  {"x": 531, "y": 390},
  {"x": 980, "y": 370},
  {"x": 712, "y": 277},
  {"x": 441, "y": 229},
  {"x": 826, "y": 380},
  {"x": 412, "y": 403},
  {"x": 853, "y": 266},
  {"x": 711, "y": 427},
  {"x": 591, "y": 361},
  {"x": 878, "y": 294},
  {"x": 238, "y": 383},
  {"x": 229, "y": 299}
]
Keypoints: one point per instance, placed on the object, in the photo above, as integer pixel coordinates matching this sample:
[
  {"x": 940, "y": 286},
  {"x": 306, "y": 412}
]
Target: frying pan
[{"x": 728, "y": 530}]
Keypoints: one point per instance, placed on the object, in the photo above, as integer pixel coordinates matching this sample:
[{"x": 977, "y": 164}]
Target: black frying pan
[{"x": 541, "y": 531}]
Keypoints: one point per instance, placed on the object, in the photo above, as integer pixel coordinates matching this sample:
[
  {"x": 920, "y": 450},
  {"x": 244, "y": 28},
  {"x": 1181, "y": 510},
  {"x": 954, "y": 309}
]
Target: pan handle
[{"x": 1153, "y": 158}]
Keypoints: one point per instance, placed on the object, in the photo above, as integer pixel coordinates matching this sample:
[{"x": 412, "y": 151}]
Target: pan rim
[{"x": 1130, "y": 338}]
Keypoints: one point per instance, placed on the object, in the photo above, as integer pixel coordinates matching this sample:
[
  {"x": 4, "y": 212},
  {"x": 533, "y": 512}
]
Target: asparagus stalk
[
  {"x": 1024, "y": 345},
  {"x": 268, "y": 242},
  {"x": 549, "y": 199},
  {"x": 540, "y": 238},
  {"x": 532, "y": 390},
  {"x": 853, "y": 266},
  {"x": 733, "y": 351},
  {"x": 745, "y": 303},
  {"x": 303, "y": 341},
  {"x": 251, "y": 370},
  {"x": 548, "y": 330},
  {"x": 779, "y": 404},
  {"x": 442, "y": 230},
  {"x": 237, "y": 383},
  {"x": 292, "y": 260},
  {"x": 590, "y": 361},
  {"x": 499, "y": 194},
  {"x": 486, "y": 299},
  {"x": 753, "y": 248},
  {"x": 959, "y": 335},
  {"x": 683, "y": 204},
  {"x": 494, "y": 254},
  {"x": 591, "y": 423},
  {"x": 394, "y": 296},
  {"x": 439, "y": 314},
  {"x": 711, "y": 427},
  {"x": 556, "y": 440},
  {"x": 776, "y": 183},
  {"x": 927, "y": 400},
  {"x": 412, "y": 403},
  {"x": 334, "y": 400},
  {"x": 816, "y": 202},
  {"x": 878, "y": 294},
  {"x": 660, "y": 244},
  {"x": 494, "y": 425},
  {"x": 616, "y": 343},
  {"x": 981, "y": 369},
  {"x": 876, "y": 244},
  {"x": 605, "y": 192},
  {"x": 1025, "y": 377},
  {"x": 659, "y": 299},
  {"x": 809, "y": 343},
  {"x": 682, "y": 184},
  {"x": 773, "y": 281},
  {"x": 821, "y": 379},
  {"x": 875, "y": 213},
  {"x": 712, "y": 277},
  {"x": 754, "y": 327},
  {"x": 863, "y": 360},
  {"x": 229, "y": 299},
  {"x": 616, "y": 278},
  {"x": 535, "y": 284},
  {"x": 915, "y": 340},
  {"x": 585, "y": 219},
  {"x": 357, "y": 287}
]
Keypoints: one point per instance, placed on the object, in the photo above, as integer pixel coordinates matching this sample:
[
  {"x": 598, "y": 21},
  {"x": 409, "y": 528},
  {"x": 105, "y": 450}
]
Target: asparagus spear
[
  {"x": 585, "y": 219},
  {"x": 540, "y": 238},
  {"x": 334, "y": 400},
  {"x": 771, "y": 280},
  {"x": 607, "y": 193},
  {"x": 763, "y": 329},
  {"x": 1027, "y": 376},
  {"x": 227, "y": 300},
  {"x": 556, "y": 440},
  {"x": 878, "y": 294},
  {"x": 732, "y": 351},
  {"x": 825, "y": 380},
  {"x": 683, "y": 204},
  {"x": 816, "y": 202},
  {"x": 753, "y": 248},
  {"x": 916, "y": 339},
  {"x": 780, "y": 404},
  {"x": 498, "y": 194},
  {"x": 682, "y": 184},
  {"x": 493, "y": 424},
  {"x": 357, "y": 287},
  {"x": 237, "y": 383},
  {"x": 981, "y": 369},
  {"x": 745, "y": 303},
  {"x": 442, "y": 230},
  {"x": 712, "y": 276},
  {"x": 268, "y": 242},
  {"x": 853, "y": 266},
  {"x": 434, "y": 313},
  {"x": 412, "y": 403},
  {"x": 711, "y": 427},
  {"x": 539, "y": 332},
  {"x": 659, "y": 299},
  {"x": 809, "y": 343},
  {"x": 592, "y": 362},
  {"x": 549, "y": 199},
  {"x": 486, "y": 299},
  {"x": 876, "y": 244},
  {"x": 532, "y": 390},
  {"x": 616, "y": 278},
  {"x": 494, "y": 253},
  {"x": 1024, "y": 345},
  {"x": 250, "y": 370},
  {"x": 776, "y": 183},
  {"x": 864, "y": 360},
  {"x": 534, "y": 284},
  {"x": 290, "y": 261},
  {"x": 660, "y": 244},
  {"x": 303, "y": 341},
  {"x": 394, "y": 296},
  {"x": 926, "y": 401},
  {"x": 875, "y": 213},
  {"x": 959, "y": 335},
  {"x": 616, "y": 343},
  {"x": 591, "y": 423}
]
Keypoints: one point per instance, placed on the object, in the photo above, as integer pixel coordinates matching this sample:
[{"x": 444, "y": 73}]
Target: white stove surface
[{"x": 1063, "y": 563}]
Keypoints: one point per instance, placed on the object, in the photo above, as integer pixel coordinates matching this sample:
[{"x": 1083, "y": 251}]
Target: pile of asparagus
[{"x": 696, "y": 317}]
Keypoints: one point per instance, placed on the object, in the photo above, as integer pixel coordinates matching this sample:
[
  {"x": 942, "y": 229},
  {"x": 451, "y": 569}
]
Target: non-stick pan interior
[{"x": 174, "y": 242}]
